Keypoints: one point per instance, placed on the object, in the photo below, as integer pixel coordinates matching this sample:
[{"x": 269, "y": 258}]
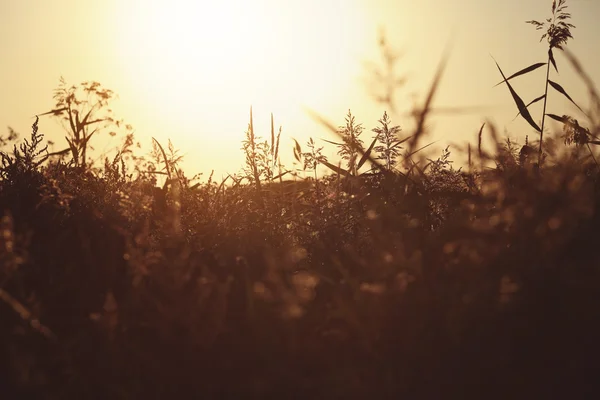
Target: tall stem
[{"x": 544, "y": 112}]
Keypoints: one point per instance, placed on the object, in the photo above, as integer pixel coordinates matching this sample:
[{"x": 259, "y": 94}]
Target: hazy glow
[
  {"x": 203, "y": 62},
  {"x": 180, "y": 49},
  {"x": 190, "y": 70}
]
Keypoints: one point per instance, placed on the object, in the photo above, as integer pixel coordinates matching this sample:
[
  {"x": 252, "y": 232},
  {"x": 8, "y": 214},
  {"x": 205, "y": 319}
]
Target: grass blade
[
  {"x": 532, "y": 67},
  {"x": 335, "y": 168},
  {"x": 272, "y": 137},
  {"x": 584, "y": 76},
  {"x": 276, "y": 156},
  {"x": 530, "y": 103},
  {"x": 558, "y": 118},
  {"x": 329, "y": 141},
  {"x": 551, "y": 57},
  {"x": 479, "y": 137},
  {"x": 518, "y": 101},
  {"x": 365, "y": 156},
  {"x": 419, "y": 149},
  {"x": 427, "y": 106},
  {"x": 316, "y": 116},
  {"x": 560, "y": 89},
  {"x": 281, "y": 175},
  {"x": 164, "y": 158},
  {"x": 55, "y": 112},
  {"x": 297, "y": 151},
  {"x": 400, "y": 142}
]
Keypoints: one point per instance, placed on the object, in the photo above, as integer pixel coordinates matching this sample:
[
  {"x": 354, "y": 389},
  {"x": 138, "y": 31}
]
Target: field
[{"x": 127, "y": 279}]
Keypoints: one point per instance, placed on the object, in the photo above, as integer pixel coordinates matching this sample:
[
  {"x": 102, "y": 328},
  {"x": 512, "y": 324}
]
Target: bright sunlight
[
  {"x": 202, "y": 62},
  {"x": 424, "y": 229}
]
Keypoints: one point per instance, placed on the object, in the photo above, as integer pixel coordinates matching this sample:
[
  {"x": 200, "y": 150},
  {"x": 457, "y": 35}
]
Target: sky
[{"x": 189, "y": 71}]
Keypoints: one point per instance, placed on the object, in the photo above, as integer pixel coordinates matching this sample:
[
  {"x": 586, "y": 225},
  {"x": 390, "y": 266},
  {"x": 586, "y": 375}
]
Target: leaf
[
  {"x": 419, "y": 149},
  {"x": 272, "y": 136},
  {"x": 422, "y": 115},
  {"x": 329, "y": 141},
  {"x": 479, "y": 137},
  {"x": 59, "y": 153},
  {"x": 530, "y": 103},
  {"x": 72, "y": 124},
  {"x": 297, "y": 150},
  {"x": 335, "y": 168},
  {"x": 276, "y": 155},
  {"x": 78, "y": 125},
  {"x": 551, "y": 57},
  {"x": 521, "y": 72},
  {"x": 584, "y": 76},
  {"x": 365, "y": 156},
  {"x": 558, "y": 118},
  {"x": 518, "y": 101},
  {"x": 73, "y": 148},
  {"x": 400, "y": 142},
  {"x": 281, "y": 175},
  {"x": 166, "y": 160},
  {"x": 56, "y": 111},
  {"x": 314, "y": 115},
  {"x": 560, "y": 89},
  {"x": 85, "y": 140},
  {"x": 298, "y": 146}
]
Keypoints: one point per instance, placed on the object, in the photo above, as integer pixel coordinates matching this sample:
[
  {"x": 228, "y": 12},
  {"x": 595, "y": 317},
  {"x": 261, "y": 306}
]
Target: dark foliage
[{"x": 441, "y": 284}]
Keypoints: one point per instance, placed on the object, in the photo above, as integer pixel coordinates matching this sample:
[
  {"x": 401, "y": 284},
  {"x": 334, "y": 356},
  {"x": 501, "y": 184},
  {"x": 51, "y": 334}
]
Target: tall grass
[{"x": 414, "y": 279}]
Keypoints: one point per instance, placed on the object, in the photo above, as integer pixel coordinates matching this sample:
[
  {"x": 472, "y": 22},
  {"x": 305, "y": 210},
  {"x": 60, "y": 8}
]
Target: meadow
[{"x": 387, "y": 275}]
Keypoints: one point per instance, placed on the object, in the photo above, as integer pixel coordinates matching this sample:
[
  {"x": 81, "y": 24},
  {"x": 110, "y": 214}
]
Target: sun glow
[
  {"x": 185, "y": 50},
  {"x": 203, "y": 62}
]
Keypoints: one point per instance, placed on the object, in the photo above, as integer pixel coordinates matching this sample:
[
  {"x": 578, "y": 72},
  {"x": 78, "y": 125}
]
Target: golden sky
[{"x": 190, "y": 70}]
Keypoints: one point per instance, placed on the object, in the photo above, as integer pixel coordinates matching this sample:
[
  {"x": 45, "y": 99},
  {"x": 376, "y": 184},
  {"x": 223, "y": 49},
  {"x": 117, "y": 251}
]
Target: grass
[{"x": 412, "y": 279}]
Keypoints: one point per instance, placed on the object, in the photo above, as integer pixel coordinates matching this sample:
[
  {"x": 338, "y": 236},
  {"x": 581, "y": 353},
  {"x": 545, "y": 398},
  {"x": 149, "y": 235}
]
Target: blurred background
[{"x": 190, "y": 70}]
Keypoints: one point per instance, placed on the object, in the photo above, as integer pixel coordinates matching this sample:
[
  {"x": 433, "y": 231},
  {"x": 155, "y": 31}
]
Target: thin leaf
[
  {"x": 422, "y": 172},
  {"x": 400, "y": 142},
  {"x": 73, "y": 148},
  {"x": 429, "y": 99},
  {"x": 72, "y": 124},
  {"x": 272, "y": 136},
  {"x": 222, "y": 184},
  {"x": 530, "y": 103},
  {"x": 532, "y": 67},
  {"x": 329, "y": 141},
  {"x": 558, "y": 118},
  {"x": 57, "y": 111},
  {"x": 276, "y": 156},
  {"x": 518, "y": 101},
  {"x": 59, "y": 153},
  {"x": 560, "y": 89},
  {"x": 551, "y": 57},
  {"x": 365, "y": 156},
  {"x": 314, "y": 115},
  {"x": 450, "y": 110},
  {"x": 164, "y": 158},
  {"x": 335, "y": 168},
  {"x": 479, "y": 137},
  {"x": 281, "y": 175},
  {"x": 297, "y": 151},
  {"x": 78, "y": 123},
  {"x": 419, "y": 149},
  {"x": 584, "y": 76}
]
